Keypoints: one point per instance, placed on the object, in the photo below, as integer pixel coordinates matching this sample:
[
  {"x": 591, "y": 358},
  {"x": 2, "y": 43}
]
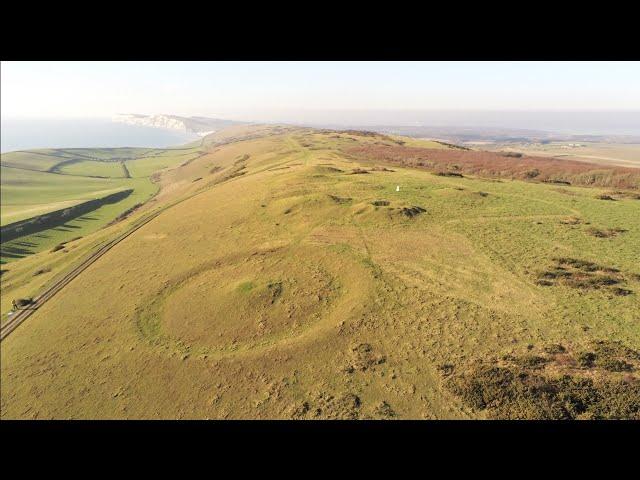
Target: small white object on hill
[{"x": 397, "y": 188}]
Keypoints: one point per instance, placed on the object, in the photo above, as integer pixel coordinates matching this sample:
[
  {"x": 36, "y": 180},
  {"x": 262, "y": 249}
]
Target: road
[
  {"x": 22, "y": 314},
  {"x": 18, "y": 318}
]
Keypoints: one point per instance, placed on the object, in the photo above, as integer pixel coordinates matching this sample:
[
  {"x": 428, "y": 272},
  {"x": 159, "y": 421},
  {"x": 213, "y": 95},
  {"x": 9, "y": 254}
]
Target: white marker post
[{"x": 397, "y": 188}]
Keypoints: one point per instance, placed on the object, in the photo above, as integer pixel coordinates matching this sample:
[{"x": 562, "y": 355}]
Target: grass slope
[
  {"x": 286, "y": 280},
  {"x": 41, "y": 181},
  {"x": 26, "y": 193}
]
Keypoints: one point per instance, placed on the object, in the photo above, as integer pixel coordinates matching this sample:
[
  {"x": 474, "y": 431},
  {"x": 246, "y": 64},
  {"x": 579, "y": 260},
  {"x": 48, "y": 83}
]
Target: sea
[{"x": 23, "y": 133}]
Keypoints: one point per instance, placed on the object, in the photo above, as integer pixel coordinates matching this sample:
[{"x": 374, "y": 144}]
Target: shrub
[
  {"x": 586, "y": 359},
  {"x": 412, "y": 211},
  {"x": 605, "y": 233},
  {"x": 516, "y": 393}
]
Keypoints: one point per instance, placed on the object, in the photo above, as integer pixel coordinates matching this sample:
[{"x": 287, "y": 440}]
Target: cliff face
[
  {"x": 157, "y": 121},
  {"x": 199, "y": 125}
]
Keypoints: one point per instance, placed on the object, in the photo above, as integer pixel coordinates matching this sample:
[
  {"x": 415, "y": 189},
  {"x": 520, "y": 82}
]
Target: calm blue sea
[{"x": 20, "y": 134}]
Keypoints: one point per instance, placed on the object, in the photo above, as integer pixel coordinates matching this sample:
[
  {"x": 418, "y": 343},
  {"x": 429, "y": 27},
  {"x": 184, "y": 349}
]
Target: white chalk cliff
[{"x": 199, "y": 125}]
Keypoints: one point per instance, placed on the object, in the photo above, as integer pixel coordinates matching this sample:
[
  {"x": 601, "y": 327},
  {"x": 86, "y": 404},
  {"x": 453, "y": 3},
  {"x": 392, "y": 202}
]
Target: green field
[
  {"x": 145, "y": 167},
  {"x": 284, "y": 279},
  {"x": 41, "y": 160},
  {"x": 87, "y": 168},
  {"x": 80, "y": 226},
  {"x": 27, "y": 193},
  {"x": 41, "y": 181}
]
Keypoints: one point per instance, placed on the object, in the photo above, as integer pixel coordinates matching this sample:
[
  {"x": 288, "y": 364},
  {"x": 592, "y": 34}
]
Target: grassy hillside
[
  {"x": 27, "y": 193},
  {"x": 37, "y": 182},
  {"x": 286, "y": 278}
]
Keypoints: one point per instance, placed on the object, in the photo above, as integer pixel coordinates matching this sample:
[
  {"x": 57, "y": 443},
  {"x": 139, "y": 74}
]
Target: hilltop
[{"x": 316, "y": 273}]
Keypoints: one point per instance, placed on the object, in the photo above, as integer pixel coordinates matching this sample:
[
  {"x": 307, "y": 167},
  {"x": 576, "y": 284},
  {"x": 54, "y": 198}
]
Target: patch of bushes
[
  {"x": 24, "y": 302},
  {"x": 531, "y": 361},
  {"x": 609, "y": 355},
  {"x": 605, "y": 197},
  {"x": 358, "y": 171},
  {"x": 362, "y": 357},
  {"x": 614, "y": 348},
  {"x": 581, "y": 274},
  {"x": 449, "y": 174},
  {"x": 238, "y": 173},
  {"x": 446, "y": 369},
  {"x": 517, "y": 393},
  {"x": 614, "y": 365},
  {"x": 451, "y": 145},
  {"x": 605, "y": 233},
  {"x": 412, "y": 211},
  {"x": 40, "y": 271},
  {"x": 554, "y": 349},
  {"x": 586, "y": 359},
  {"x": 622, "y": 292},
  {"x": 126, "y": 213},
  {"x": 58, "y": 247},
  {"x": 557, "y": 182},
  {"x": 275, "y": 290},
  {"x": 340, "y": 200},
  {"x": 380, "y": 203}
]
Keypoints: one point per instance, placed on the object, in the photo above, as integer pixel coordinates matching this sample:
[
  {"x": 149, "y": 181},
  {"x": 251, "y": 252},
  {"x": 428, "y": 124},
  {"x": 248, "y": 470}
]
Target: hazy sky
[{"x": 88, "y": 89}]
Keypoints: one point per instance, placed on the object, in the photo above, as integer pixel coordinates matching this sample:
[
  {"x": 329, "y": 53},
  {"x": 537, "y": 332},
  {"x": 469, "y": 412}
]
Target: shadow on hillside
[
  {"x": 11, "y": 251},
  {"x": 59, "y": 219}
]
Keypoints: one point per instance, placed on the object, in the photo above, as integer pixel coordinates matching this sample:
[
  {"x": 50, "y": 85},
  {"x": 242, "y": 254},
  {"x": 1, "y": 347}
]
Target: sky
[{"x": 262, "y": 89}]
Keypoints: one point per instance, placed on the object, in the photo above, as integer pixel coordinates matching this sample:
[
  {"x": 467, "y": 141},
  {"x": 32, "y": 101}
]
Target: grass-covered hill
[
  {"x": 38, "y": 185},
  {"x": 298, "y": 273}
]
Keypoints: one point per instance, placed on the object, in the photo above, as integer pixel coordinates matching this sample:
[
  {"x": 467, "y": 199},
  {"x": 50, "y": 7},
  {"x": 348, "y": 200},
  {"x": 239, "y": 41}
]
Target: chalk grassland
[
  {"x": 295, "y": 282},
  {"x": 38, "y": 182}
]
